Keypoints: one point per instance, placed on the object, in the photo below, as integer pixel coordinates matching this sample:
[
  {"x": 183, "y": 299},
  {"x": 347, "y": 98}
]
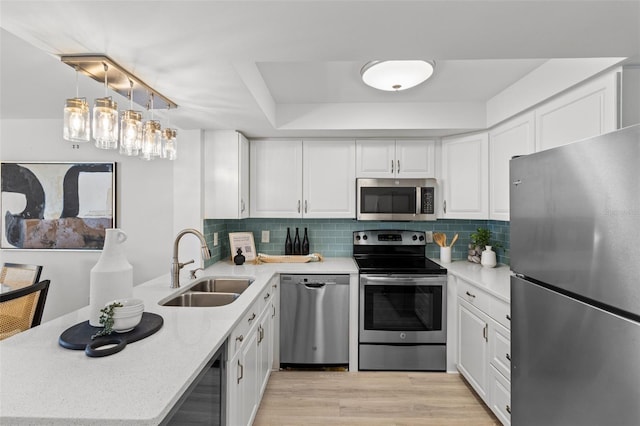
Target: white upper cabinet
[
  {"x": 395, "y": 158},
  {"x": 226, "y": 175},
  {"x": 311, "y": 179},
  {"x": 465, "y": 176},
  {"x": 515, "y": 137},
  {"x": 585, "y": 111},
  {"x": 329, "y": 189},
  {"x": 276, "y": 178}
]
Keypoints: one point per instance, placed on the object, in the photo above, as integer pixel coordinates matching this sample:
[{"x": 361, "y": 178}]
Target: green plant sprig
[
  {"x": 482, "y": 238},
  {"x": 106, "y": 319}
]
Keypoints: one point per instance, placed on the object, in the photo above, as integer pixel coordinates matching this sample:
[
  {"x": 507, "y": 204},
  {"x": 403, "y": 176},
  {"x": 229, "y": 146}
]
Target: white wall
[{"x": 144, "y": 209}]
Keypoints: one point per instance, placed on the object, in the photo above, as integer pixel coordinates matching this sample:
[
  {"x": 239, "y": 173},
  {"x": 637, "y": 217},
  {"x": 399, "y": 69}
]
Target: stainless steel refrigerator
[{"x": 575, "y": 298}]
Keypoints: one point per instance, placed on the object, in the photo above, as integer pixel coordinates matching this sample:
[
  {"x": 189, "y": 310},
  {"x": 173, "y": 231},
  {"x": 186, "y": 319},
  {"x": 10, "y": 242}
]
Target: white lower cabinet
[
  {"x": 484, "y": 347},
  {"x": 251, "y": 358}
]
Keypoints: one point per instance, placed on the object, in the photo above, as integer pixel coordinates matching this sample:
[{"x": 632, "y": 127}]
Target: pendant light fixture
[
  {"x": 151, "y": 137},
  {"x": 76, "y": 126},
  {"x": 396, "y": 75},
  {"x": 169, "y": 141},
  {"x": 130, "y": 128},
  {"x": 136, "y": 138},
  {"x": 105, "y": 119}
]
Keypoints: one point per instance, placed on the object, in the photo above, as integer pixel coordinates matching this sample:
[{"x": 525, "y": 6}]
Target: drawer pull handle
[
  {"x": 267, "y": 296},
  {"x": 508, "y": 357},
  {"x": 241, "y": 371},
  {"x": 275, "y": 286},
  {"x": 485, "y": 332},
  {"x": 252, "y": 317},
  {"x": 470, "y": 294},
  {"x": 508, "y": 317},
  {"x": 508, "y": 408},
  {"x": 260, "y": 334},
  {"x": 274, "y": 311},
  {"x": 240, "y": 338}
]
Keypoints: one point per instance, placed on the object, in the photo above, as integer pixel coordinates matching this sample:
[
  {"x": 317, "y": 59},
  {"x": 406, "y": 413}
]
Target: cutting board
[{"x": 78, "y": 337}]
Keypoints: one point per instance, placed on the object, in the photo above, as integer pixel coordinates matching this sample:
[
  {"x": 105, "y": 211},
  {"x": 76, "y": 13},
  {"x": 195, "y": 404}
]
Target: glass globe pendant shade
[
  {"x": 151, "y": 140},
  {"x": 105, "y": 123},
  {"x": 76, "y": 127},
  {"x": 130, "y": 133},
  {"x": 169, "y": 144},
  {"x": 396, "y": 75}
]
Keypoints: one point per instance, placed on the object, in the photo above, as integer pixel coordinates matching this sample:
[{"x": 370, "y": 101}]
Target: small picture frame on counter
[{"x": 243, "y": 241}]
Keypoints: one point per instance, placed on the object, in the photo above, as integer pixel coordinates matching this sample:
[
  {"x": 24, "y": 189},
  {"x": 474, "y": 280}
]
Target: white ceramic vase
[
  {"x": 488, "y": 257},
  {"x": 111, "y": 277}
]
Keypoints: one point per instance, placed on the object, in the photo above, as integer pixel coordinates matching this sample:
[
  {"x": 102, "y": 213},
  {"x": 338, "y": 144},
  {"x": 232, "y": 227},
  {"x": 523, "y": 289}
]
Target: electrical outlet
[
  {"x": 265, "y": 236},
  {"x": 215, "y": 239},
  {"x": 428, "y": 235}
]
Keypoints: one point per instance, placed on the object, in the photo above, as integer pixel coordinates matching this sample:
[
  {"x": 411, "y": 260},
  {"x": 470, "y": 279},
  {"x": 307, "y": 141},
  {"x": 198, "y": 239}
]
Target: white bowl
[
  {"x": 125, "y": 323},
  {"x": 128, "y": 304}
]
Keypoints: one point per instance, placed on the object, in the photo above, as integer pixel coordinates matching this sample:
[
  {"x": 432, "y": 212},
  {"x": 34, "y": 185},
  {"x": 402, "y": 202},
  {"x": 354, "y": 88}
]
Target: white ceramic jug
[
  {"x": 488, "y": 257},
  {"x": 111, "y": 277}
]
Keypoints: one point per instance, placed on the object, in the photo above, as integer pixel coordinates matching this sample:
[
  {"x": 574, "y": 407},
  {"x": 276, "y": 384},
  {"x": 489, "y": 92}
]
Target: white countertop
[
  {"x": 43, "y": 383},
  {"x": 495, "y": 281}
]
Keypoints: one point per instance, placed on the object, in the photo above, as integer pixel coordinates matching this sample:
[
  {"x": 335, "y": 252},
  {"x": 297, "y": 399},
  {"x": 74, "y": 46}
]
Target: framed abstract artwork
[{"x": 56, "y": 206}]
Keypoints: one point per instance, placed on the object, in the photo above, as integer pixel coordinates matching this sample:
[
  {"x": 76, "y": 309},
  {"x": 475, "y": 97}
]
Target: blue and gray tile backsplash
[{"x": 334, "y": 237}]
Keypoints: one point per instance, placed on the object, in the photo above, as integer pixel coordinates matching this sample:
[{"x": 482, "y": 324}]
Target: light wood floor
[{"x": 370, "y": 398}]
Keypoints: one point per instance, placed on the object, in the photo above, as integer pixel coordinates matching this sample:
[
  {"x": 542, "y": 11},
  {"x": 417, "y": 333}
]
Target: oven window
[
  {"x": 402, "y": 308},
  {"x": 388, "y": 200}
]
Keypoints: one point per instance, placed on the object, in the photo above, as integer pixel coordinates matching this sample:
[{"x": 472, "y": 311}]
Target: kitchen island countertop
[{"x": 43, "y": 383}]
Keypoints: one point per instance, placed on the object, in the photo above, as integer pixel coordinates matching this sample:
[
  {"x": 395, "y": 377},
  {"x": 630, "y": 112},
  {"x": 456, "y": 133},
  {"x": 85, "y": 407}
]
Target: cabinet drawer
[
  {"x": 240, "y": 333},
  {"x": 500, "y": 348},
  {"x": 500, "y": 396},
  {"x": 501, "y": 312},
  {"x": 474, "y": 296},
  {"x": 266, "y": 296}
]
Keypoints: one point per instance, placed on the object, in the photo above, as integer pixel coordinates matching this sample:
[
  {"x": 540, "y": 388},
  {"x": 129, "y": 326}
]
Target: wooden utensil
[
  {"x": 455, "y": 238},
  {"x": 437, "y": 237}
]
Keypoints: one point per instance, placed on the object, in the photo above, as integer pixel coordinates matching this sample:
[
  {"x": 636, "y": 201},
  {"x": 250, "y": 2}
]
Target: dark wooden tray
[{"x": 78, "y": 337}]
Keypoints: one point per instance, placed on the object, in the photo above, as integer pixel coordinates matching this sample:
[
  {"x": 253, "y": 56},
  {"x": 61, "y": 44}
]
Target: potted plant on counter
[{"x": 480, "y": 240}]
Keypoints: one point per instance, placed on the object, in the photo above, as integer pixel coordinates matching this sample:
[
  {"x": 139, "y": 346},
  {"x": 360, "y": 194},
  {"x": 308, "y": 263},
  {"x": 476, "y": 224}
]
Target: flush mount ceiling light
[{"x": 396, "y": 75}]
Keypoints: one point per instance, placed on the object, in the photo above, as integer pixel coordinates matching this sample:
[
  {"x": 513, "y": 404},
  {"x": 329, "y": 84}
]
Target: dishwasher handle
[{"x": 314, "y": 285}]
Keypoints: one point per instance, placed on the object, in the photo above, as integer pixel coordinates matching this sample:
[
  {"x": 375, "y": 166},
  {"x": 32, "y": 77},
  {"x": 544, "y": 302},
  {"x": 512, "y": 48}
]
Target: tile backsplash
[{"x": 333, "y": 237}]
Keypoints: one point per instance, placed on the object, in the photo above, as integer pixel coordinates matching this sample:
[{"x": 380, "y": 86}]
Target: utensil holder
[{"x": 445, "y": 254}]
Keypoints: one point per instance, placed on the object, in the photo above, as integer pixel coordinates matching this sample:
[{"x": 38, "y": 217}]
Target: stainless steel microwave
[{"x": 396, "y": 199}]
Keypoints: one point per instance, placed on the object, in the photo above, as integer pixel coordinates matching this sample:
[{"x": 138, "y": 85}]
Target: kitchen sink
[
  {"x": 196, "y": 299},
  {"x": 221, "y": 285}
]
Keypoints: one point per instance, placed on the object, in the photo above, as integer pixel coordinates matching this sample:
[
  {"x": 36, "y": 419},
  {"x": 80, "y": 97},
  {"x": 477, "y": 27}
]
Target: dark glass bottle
[
  {"x": 288, "y": 245},
  {"x": 305, "y": 243},
  {"x": 296, "y": 243}
]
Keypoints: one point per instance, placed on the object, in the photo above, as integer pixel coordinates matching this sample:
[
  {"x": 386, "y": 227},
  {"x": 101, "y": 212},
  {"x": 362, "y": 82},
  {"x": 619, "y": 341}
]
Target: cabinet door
[
  {"x": 588, "y": 110},
  {"x": 276, "y": 178},
  {"x": 465, "y": 176},
  {"x": 473, "y": 346},
  {"x": 415, "y": 159},
  {"x": 226, "y": 175},
  {"x": 329, "y": 179},
  {"x": 375, "y": 158},
  {"x": 244, "y": 176},
  {"x": 249, "y": 383},
  {"x": 264, "y": 350},
  {"x": 235, "y": 372},
  {"x": 510, "y": 139}
]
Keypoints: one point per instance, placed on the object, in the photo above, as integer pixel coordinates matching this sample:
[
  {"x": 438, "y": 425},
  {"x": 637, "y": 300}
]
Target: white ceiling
[{"x": 291, "y": 68}]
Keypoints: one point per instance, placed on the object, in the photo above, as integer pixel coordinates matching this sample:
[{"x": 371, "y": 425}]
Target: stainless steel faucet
[{"x": 176, "y": 265}]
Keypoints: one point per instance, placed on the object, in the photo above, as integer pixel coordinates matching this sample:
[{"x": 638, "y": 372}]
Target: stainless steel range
[{"x": 403, "y": 302}]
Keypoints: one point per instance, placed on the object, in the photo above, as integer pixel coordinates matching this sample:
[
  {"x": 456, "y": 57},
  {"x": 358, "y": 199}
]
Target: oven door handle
[{"x": 405, "y": 281}]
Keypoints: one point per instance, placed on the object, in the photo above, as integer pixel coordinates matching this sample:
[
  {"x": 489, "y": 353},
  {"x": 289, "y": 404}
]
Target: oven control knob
[
  {"x": 415, "y": 237},
  {"x": 421, "y": 238},
  {"x": 364, "y": 237},
  {"x": 357, "y": 237},
  {"x": 403, "y": 336}
]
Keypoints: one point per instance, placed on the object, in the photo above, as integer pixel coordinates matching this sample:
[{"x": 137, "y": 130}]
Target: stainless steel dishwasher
[{"x": 314, "y": 320}]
